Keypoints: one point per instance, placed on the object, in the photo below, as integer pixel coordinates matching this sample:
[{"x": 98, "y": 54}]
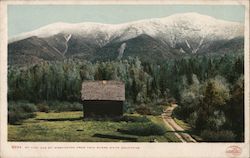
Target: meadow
[{"x": 71, "y": 127}]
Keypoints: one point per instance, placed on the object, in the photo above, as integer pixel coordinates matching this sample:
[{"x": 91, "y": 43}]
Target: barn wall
[{"x": 102, "y": 108}]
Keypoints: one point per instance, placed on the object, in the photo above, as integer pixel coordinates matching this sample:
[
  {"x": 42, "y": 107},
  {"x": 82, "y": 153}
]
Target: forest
[{"x": 209, "y": 89}]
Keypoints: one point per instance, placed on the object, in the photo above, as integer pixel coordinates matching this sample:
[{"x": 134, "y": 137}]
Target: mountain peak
[
  {"x": 197, "y": 17},
  {"x": 191, "y": 14},
  {"x": 188, "y": 20}
]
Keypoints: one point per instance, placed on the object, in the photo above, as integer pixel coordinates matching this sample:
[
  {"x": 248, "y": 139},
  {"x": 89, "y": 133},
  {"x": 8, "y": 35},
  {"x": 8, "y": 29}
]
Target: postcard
[{"x": 124, "y": 79}]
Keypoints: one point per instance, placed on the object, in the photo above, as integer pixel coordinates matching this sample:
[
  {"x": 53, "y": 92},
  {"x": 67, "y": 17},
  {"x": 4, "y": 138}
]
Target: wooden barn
[{"x": 103, "y": 98}]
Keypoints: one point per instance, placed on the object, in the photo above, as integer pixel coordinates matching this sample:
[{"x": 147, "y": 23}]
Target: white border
[{"x": 149, "y": 150}]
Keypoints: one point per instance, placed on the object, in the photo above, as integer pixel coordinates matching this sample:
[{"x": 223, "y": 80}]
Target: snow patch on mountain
[
  {"x": 177, "y": 28},
  {"x": 67, "y": 38},
  {"x": 121, "y": 50}
]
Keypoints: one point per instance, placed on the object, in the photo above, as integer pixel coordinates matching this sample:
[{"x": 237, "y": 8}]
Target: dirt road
[{"x": 179, "y": 131}]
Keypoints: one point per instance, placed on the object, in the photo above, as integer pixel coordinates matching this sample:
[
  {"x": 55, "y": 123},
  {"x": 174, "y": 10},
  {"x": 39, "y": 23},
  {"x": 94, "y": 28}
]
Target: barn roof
[{"x": 103, "y": 90}]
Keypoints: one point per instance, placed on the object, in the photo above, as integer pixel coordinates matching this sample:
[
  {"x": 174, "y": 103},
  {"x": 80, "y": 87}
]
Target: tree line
[{"x": 145, "y": 82}]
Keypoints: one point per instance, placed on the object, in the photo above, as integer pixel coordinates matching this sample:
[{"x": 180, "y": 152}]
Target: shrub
[
  {"x": 13, "y": 117},
  {"x": 156, "y": 109},
  {"x": 192, "y": 119},
  {"x": 43, "y": 107},
  {"x": 143, "y": 110},
  {"x": 28, "y": 107},
  {"x": 128, "y": 107},
  {"x": 182, "y": 112},
  {"x": 65, "y": 106},
  {"x": 145, "y": 129},
  {"x": 19, "y": 111},
  {"x": 134, "y": 118},
  {"x": 218, "y": 136},
  {"x": 75, "y": 106},
  {"x": 22, "y": 106}
]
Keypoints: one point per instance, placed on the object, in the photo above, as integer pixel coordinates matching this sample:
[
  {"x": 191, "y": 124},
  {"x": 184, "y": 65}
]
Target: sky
[{"x": 25, "y": 18}]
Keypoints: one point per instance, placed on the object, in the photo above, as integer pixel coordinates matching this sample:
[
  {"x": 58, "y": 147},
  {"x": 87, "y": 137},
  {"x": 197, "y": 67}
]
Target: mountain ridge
[
  {"x": 54, "y": 26},
  {"x": 189, "y": 33}
]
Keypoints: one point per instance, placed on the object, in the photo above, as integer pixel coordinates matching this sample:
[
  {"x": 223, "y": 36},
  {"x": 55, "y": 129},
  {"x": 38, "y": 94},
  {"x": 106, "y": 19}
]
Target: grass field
[{"x": 70, "y": 127}]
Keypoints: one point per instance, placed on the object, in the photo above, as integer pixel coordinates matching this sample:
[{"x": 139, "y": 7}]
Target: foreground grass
[{"x": 70, "y": 127}]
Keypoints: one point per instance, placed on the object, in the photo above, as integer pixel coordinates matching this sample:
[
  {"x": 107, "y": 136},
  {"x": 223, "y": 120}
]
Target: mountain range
[{"x": 151, "y": 40}]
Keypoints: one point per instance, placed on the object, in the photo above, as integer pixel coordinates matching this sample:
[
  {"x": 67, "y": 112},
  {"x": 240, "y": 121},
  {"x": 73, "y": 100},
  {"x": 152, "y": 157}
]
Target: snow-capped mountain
[{"x": 189, "y": 33}]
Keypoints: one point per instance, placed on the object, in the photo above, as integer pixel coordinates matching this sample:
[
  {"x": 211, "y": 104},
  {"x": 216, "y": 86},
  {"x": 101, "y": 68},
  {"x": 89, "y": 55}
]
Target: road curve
[{"x": 169, "y": 121}]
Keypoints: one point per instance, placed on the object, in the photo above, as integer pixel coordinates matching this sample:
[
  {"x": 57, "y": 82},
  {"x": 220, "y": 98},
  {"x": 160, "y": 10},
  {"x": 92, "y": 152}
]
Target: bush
[
  {"x": 145, "y": 129},
  {"x": 19, "y": 111},
  {"x": 22, "y": 106},
  {"x": 148, "y": 109},
  {"x": 182, "y": 112},
  {"x": 192, "y": 119},
  {"x": 75, "y": 106},
  {"x": 218, "y": 136},
  {"x": 15, "y": 117},
  {"x": 134, "y": 118},
  {"x": 28, "y": 107},
  {"x": 43, "y": 107},
  {"x": 156, "y": 109},
  {"x": 143, "y": 110},
  {"x": 128, "y": 107},
  {"x": 65, "y": 106}
]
